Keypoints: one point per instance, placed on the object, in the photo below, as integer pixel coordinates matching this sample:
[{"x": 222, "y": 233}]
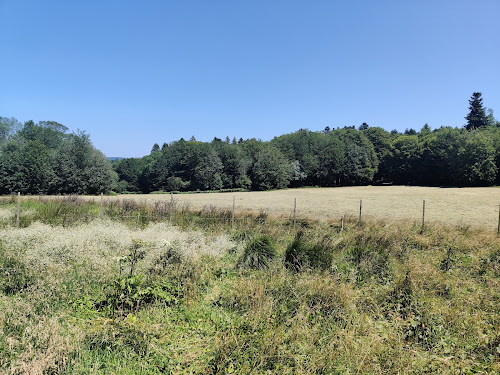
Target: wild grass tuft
[
  {"x": 258, "y": 253},
  {"x": 307, "y": 253}
]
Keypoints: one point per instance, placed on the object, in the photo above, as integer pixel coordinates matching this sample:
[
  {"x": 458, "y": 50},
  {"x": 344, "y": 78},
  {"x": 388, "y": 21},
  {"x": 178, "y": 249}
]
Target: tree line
[
  {"x": 44, "y": 158},
  {"x": 447, "y": 156}
]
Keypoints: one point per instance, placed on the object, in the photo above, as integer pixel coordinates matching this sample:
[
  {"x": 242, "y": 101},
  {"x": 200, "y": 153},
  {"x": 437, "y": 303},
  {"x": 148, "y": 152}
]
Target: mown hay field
[{"x": 452, "y": 206}]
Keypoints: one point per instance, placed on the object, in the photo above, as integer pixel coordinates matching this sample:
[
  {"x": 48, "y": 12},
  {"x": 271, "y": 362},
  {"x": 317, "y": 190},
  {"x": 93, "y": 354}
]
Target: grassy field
[
  {"x": 118, "y": 295},
  {"x": 452, "y": 206}
]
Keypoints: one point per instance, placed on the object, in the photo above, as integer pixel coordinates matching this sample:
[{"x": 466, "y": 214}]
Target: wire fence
[{"x": 75, "y": 208}]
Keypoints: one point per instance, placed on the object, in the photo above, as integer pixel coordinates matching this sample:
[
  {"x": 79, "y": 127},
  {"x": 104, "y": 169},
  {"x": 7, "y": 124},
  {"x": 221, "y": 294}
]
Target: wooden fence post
[
  {"x": 342, "y": 223},
  {"x": 498, "y": 230},
  {"x": 232, "y": 213},
  {"x": 100, "y": 208},
  {"x": 18, "y": 208},
  {"x": 360, "y": 208},
  {"x": 423, "y": 217}
]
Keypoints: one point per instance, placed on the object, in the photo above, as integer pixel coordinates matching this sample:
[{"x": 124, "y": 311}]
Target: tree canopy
[{"x": 45, "y": 158}]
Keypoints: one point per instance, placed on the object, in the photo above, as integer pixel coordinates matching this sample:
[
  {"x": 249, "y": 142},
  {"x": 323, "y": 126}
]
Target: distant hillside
[{"x": 114, "y": 158}]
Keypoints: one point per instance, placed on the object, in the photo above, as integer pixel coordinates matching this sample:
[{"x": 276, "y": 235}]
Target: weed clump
[
  {"x": 165, "y": 261},
  {"x": 304, "y": 253},
  {"x": 367, "y": 256},
  {"x": 491, "y": 263},
  {"x": 258, "y": 254},
  {"x": 401, "y": 300}
]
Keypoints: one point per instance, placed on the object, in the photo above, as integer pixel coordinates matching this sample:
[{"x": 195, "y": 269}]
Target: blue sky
[{"x": 132, "y": 73}]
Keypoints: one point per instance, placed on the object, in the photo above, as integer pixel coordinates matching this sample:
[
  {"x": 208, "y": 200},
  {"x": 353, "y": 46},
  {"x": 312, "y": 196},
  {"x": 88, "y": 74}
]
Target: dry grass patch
[{"x": 452, "y": 206}]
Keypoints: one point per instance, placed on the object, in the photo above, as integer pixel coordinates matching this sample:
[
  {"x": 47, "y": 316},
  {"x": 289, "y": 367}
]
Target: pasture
[{"x": 452, "y": 206}]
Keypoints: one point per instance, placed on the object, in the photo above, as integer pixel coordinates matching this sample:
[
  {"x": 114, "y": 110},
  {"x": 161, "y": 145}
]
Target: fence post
[
  {"x": 100, "y": 208},
  {"x": 360, "y": 208},
  {"x": 294, "y": 212},
  {"x": 498, "y": 230},
  {"x": 18, "y": 208},
  {"x": 423, "y": 217},
  {"x": 342, "y": 223},
  {"x": 232, "y": 214}
]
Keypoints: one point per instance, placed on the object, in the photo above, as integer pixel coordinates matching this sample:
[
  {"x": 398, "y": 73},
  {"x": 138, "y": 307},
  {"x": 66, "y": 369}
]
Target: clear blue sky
[{"x": 132, "y": 73}]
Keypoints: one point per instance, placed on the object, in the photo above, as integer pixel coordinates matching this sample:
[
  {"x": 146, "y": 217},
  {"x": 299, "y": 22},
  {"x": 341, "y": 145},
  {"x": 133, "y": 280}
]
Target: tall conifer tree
[{"x": 477, "y": 114}]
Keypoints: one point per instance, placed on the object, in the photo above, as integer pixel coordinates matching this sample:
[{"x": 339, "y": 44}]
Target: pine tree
[
  {"x": 155, "y": 148},
  {"x": 477, "y": 114}
]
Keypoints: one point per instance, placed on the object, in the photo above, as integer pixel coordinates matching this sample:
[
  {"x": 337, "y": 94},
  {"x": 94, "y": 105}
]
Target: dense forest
[{"x": 44, "y": 158}]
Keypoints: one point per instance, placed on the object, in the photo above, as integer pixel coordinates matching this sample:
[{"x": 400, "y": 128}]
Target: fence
[{"x": 162, "y": 210}]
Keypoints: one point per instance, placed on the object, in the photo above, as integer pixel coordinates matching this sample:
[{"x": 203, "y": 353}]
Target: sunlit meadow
[{"x": 131, "y": 289}]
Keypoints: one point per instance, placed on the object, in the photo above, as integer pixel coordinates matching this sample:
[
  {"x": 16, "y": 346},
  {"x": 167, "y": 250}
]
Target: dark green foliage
[
  {"x": 306, "y": 253},
  {"x": 476, "y": 118},
  {"x": 129, "y": 171},
  {"x": 81, "y": 169},
  {"x": 401, "y": 300},
  {"x": 131, "y": 291},
  {"x": 235, "y": 164},
  {"x": 176, "y": 184},
  {"x": 43, "y": 158},
  {"x": 259, "y": 252},
  {"x": 361, "y": 159},
  {"x": 271, "y": 170},
  {"x": 382, "y": 142},
  {"x": 155, "y": 148},
  {"x": 208, "y": 171},
  {"x": 404, "y": 162},
  {"x": 476, "y": 162}
]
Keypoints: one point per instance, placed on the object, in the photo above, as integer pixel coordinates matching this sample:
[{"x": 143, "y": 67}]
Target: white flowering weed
[
  {"x": 100, "y": 244},
  {"x": 6, "y": 214}
]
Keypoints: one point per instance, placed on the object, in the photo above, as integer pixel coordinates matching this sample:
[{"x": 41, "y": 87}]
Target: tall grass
[{"x": 130, "y": 292}]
